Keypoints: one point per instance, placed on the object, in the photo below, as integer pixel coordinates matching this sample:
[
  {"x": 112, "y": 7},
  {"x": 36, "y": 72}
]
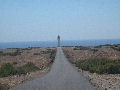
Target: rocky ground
[
  {"x": 103, "y": 82},
  {"x": 40, "y": 57}
]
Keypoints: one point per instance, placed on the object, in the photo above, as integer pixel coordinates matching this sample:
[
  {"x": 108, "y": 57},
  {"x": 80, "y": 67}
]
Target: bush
[
  {"x": 94, "y": 50},
  {"x": 14, "y": 63},
  {"x": 1, "y": 52},
  {"x": 29, "y": 67},
  {"x": 100, "y": 66},
  {"x": 6, "y": 70},
  {"x": 17, "y": 52},
  {"x": 52, "y": 54},
  {"x": 81, "y": 48},
  {"x": 115, "y": 48},
  {"x": 113, "y": 69},
  {"x": 19, "y": 71},
  {"x": 98, "y": 46},
  {"x": 36, "y": 54}
]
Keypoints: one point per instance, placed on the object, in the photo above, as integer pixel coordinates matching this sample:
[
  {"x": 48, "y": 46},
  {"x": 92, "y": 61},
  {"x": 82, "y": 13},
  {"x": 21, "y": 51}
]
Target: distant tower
[{"x": 58, "y": 38}]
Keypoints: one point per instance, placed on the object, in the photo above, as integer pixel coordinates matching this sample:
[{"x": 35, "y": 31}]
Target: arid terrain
[
  {"x": 39, "y": 58},
  {"x": 62, "y": 76},
  {"x": 102, "y": 81}
]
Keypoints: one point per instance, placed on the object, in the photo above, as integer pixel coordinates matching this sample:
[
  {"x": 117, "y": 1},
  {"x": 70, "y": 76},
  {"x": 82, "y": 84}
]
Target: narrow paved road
[{"x": 63, "y": 76}]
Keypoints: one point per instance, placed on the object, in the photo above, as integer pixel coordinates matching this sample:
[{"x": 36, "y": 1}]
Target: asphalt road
[{"x": 62, "y": 76}]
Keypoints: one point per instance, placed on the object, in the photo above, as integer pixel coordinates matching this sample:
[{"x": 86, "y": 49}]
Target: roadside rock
[{"x": 103, "y": 82}]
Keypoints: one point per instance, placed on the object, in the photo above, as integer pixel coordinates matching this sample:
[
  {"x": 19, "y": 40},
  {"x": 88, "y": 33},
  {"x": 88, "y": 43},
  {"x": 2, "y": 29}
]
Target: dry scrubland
[
  {"x": 21, "y": 64},
  {"x": 101, "y": 64}
]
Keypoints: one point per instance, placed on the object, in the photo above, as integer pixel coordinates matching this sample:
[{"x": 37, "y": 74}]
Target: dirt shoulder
[
  {"x": 40, "y": 57},
  {"x": 102, "y": 81}
]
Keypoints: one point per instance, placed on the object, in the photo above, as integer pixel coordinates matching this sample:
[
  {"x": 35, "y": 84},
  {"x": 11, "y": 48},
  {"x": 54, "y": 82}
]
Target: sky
[{"x": 43, "y": 20}]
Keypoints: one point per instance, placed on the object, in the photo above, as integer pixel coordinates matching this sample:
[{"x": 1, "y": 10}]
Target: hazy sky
[{"x": 43, "y": 20}]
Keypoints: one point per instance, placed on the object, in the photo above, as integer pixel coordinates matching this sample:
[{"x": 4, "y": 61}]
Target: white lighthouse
[{"x": 58, "y": 38}]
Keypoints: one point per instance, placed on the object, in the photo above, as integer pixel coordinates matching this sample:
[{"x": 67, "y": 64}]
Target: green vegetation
[
  {"x": 98, "y": 46},
  {"x": 14, "y": 63},
  {"x": 105, "y": 88},
  {"x": 49, "y": 51},
  {"x": 94, "y": 50},
  {"x": 29, "y": 67},
  {"x": 1, "y": 52},
  {"x": 85, "y": 48},
  {"x": 29, "y": 48},
  {"x": 18, "y": 71},
  {"x": 116, "y": 47},
  {"x": 17, "y": 52},
  {"x": 100, "y": 66},
  {"x": 8, "y": 69},
  {"x": 52, "y": 54},
  {"x": 67, "y": 46},
  {"x": 37, "y": 54},
  {"x": 81, "y": 48}
]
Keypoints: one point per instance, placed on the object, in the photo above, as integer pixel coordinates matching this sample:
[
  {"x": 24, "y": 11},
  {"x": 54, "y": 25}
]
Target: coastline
[{"x": 5, "y": 45}]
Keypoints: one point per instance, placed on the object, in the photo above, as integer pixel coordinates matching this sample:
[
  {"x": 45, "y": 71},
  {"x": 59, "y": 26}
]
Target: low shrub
[
  {"x": 113, "y": 69},
  {"x": 94, "y": 50},
  {"x": 115, "y": 48},
  {"x": 47, "y": 52},
  {"x": 19, "y": 71},
  {"x": 14, "y": 63},
  {"x": 17, "y": 52},
  {"x": 52, "y": 54},
  {"x": 36, "y": 53},
  {"x": 98, "y": 46},
  {"x": 29, "y": 67},
  {"x": 100, "y": 66},
  {"x": 8, "y": 69},
  {"x": 81, "y": 48},
  {"x": 1, "y": 52}
]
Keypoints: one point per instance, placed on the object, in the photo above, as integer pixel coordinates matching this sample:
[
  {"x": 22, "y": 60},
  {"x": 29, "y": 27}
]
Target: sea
[{"x": 6, "y": 45}]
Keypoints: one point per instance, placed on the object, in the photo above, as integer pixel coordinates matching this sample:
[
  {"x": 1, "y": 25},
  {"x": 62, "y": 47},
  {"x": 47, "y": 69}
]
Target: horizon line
[{"x": 56, "y": 40}]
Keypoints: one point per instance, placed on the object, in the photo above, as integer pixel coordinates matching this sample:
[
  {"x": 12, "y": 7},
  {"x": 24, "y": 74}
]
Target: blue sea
[{"x": 63, "y": 43}]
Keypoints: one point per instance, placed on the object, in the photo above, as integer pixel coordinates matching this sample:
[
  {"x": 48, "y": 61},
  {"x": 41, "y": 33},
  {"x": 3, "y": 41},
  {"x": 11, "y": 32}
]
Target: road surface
[{"x": 62, "y": 76}]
